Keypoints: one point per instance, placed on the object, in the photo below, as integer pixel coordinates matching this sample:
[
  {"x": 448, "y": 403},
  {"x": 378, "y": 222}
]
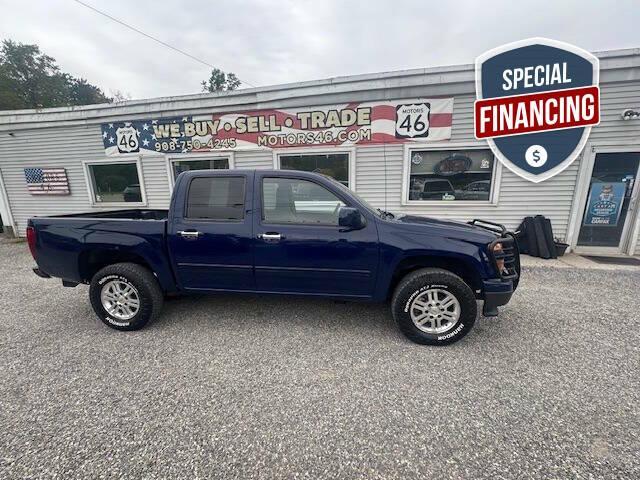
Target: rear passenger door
[
  {"x": 299, "y": 246},
  {"x": 210, "y": 231}
]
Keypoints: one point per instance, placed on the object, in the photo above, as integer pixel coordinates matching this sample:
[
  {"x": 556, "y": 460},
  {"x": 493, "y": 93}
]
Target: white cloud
[{"x": 266, "y": 42}]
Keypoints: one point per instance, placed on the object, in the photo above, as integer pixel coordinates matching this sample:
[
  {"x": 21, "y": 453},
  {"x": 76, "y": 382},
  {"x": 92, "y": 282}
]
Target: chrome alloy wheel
[
  {"x": 120, "y": 299},
  {"x": 435, "y": 311}
]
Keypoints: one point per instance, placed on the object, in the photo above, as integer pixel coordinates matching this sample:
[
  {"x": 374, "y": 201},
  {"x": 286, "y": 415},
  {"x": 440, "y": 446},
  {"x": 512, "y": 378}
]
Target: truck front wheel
[
  {"x": 433, "y": 306},
  {"x": 125, "y": 296}
]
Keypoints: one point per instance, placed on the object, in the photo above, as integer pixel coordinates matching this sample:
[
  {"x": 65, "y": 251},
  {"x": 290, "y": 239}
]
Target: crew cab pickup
[{"x": 280, "y": 232}]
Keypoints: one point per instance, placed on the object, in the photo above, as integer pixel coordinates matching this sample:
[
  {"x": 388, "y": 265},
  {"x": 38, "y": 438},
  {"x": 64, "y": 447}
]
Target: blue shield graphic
[{"x": 549, "y": 152}]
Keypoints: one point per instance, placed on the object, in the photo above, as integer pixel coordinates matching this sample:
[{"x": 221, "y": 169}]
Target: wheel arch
[
  {"x": 91, "y": 261},
  {"x": 463, "y": 268}
]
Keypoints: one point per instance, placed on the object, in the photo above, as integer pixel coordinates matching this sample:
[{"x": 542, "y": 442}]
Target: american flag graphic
[{"x": 47, "y": 181}]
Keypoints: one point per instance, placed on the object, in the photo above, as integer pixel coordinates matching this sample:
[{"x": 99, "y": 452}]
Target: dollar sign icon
[{"x": 536, "y": 156}]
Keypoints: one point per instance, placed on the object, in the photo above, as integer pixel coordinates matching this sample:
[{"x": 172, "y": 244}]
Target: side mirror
[{"x": 350, "y": 218}]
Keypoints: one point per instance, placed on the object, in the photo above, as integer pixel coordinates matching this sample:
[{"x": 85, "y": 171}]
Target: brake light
[{"x": 31, "y": 240}]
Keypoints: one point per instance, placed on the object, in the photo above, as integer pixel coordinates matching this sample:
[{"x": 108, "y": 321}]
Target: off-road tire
[
  {"x": 147, "y": 287},
  {"x": 420, "y": 280}
]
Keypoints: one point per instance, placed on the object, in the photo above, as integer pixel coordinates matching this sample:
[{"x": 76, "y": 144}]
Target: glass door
[{"x": 611, "y": 202}]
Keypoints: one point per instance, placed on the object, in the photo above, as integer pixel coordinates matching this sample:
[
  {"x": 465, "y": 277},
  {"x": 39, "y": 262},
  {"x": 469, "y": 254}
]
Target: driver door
[{"x": 299, "y": 246}]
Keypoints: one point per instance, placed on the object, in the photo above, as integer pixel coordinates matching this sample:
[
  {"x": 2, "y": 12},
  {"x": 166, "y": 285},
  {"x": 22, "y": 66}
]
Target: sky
[{"x": 273, "y": 42}]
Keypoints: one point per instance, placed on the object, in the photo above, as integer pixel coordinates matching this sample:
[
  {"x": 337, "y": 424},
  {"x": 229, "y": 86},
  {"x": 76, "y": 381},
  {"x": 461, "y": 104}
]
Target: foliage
[
  {"x": 31, "y": 79},
  {"x": 220, "y": 81}
]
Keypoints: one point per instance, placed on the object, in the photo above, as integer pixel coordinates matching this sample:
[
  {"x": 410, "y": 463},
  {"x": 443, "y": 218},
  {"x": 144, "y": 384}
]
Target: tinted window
[
  {"x": 217, "y": 198},
  {"x": 116, "y": 182},
  {"x": 286, "y": 200}
]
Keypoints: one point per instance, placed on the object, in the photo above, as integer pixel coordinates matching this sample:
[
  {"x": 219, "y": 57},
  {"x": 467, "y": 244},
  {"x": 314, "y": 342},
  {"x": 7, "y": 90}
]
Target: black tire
[
  {"x": 146, "y": 287},
  {"x": 428, "y": 278}
]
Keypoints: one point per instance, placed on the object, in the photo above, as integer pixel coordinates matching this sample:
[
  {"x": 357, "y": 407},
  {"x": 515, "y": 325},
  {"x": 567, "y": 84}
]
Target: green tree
[
  {"x": 31, "y": 79},
  {"x": 220, "y": 82},
  {"x": 83, "y": 93}
]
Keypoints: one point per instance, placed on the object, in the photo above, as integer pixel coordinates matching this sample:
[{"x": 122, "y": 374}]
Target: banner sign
[
  {"x": 418, "y": 120},
  {"x": 537, "y": 101},
  {"x": 605, "y": 204}
]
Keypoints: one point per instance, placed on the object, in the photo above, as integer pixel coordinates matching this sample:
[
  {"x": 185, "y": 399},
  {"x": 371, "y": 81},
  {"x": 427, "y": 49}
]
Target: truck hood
[{"x": 449, "y": 228}]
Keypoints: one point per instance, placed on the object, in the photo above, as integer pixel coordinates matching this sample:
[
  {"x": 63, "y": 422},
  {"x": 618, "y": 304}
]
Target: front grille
[{"x": 510, "y": 254}]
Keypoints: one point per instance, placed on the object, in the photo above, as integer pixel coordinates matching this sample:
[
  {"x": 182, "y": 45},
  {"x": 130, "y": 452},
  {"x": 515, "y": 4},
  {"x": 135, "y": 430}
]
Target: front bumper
[{"x": 496, "y": 293}]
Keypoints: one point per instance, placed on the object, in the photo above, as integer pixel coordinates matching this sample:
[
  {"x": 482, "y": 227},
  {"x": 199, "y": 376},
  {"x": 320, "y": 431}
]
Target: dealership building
[{"x": 402, "y": 140}]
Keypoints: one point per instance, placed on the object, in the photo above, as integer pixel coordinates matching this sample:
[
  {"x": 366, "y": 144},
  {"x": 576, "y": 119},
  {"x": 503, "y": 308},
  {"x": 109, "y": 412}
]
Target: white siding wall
[
  {"x": 518, "y": 197},
  {"x": 379, "y": 169},
  {"x": 68, "y": 147},
  {"x": 262, "y": 159},
  {"x": 156, "y": 181},
  {"x": 51, "y": 147}
]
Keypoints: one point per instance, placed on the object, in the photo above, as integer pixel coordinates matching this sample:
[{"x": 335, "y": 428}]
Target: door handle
[
  {"x": 189, "y": 235},
  {"x": 270, "y": 237}
]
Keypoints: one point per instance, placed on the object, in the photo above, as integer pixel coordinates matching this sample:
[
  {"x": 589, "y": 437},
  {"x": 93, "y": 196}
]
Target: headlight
[{"x": 497, "y": 249}]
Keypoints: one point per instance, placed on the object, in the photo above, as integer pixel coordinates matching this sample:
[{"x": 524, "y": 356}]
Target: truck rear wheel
[
  {"x": 125, "y": 296},
  {"x": 434, "y": 307}
]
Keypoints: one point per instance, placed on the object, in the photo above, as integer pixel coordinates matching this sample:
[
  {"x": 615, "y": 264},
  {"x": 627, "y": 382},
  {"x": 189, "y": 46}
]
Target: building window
[
  {"x": 179, "y": 166},
  {"x": 288, "y": 200},
  {"x": 115, "y": 182},
  {"x": 334, "y": 165},
  {"x": 448, "y": 175},
  {"x": 216, "y": 198}
]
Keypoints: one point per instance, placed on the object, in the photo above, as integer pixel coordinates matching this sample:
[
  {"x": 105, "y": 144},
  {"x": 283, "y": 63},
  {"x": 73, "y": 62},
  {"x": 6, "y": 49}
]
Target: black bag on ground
[{"x": 535, "y": 237}]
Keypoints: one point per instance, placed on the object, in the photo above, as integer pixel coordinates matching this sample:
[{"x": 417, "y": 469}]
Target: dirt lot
[{"x": 265, "y": 387}]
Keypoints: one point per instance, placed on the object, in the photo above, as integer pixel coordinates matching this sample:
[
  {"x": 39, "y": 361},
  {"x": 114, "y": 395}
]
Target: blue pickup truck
[{"x": 280, "y": 232}]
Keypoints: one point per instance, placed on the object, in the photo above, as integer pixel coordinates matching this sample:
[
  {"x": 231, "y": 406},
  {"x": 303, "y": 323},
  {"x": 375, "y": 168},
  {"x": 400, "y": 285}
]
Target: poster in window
[{"x": 604, "y": 204}]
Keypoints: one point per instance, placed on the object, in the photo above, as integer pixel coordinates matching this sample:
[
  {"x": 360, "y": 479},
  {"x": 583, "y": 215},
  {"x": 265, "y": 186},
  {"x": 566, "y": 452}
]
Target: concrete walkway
[
  {"x": 4, "y": 239},
  {"x": 571, "y": 260}
]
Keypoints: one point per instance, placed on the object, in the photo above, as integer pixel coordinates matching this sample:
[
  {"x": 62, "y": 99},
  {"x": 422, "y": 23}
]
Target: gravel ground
[{"x": 237, "y": 387}]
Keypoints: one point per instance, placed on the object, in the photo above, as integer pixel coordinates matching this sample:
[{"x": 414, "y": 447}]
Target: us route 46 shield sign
[{"x": 537, "y": 101}]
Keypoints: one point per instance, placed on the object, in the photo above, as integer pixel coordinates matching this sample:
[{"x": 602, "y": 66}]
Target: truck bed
[
  {"x": 70, "y": 246},
  {"x": 128, "y": 214}
]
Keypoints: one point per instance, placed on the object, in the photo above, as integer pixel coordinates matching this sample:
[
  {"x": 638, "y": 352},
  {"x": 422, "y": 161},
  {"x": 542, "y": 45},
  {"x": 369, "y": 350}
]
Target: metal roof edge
[{"x": 249, "y": 91}]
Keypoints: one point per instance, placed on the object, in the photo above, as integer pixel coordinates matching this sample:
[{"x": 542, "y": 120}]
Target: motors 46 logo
[
  {"x": 413, "y": 120},
  {"x": 127, "y": 139},
  {"x": 537, "y": 101}
]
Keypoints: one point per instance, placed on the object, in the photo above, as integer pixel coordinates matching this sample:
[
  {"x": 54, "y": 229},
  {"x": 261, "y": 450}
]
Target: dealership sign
[
  {"x": 537, "y": 100},
  {"x": 415, "y": 120}
]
